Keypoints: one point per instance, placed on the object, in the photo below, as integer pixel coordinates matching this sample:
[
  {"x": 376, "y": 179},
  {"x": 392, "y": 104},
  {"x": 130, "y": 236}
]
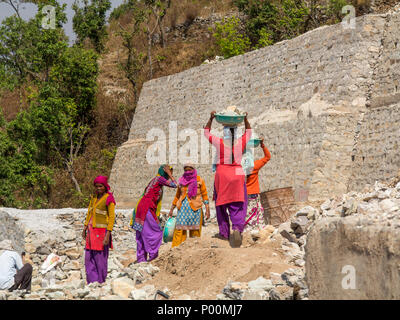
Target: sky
[{"x": 28, "y": 10}]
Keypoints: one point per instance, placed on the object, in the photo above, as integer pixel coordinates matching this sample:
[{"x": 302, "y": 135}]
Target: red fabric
[
  {"x": 253, "y": 186},
  {"x": 225, "y": 152},
  {"x": 229, "y": 177},
  {"x": 149, "y": 201},
  {"x": 95, "y": 238}
]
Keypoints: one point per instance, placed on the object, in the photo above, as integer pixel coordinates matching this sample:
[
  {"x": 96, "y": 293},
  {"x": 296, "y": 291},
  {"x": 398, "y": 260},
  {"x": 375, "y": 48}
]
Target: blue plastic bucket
[
  {"x": 169, "y": 229},
  {"x": 254, "y": 142},
  {"x": 227, "y": 120}
]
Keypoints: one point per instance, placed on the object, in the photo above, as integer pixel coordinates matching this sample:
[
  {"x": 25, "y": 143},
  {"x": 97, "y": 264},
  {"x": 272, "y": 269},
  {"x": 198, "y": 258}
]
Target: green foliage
[
  {"x": 20, "y": 171},
  {"x": 126, "y": 7},
  {"x": 229, "y": 39},
  {"x": 51, "y": 133},
  {"x": 89, "y": 21},
  {"x": 264, "y": 39},
  {"x": 27, "y": 50},
  {"x": 75, "y": 77},
  {"x": 134, "y": 62},
  {"x": 271, "y": 21},
  {"x": 334, "y": 9}
]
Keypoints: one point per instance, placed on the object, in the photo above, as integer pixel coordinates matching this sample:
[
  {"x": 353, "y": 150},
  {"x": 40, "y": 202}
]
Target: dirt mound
[{"x": 201, "y": 267}]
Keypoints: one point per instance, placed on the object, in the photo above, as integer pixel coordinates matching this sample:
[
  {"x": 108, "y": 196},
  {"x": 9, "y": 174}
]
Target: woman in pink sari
[{"x": 230, "y": 181}]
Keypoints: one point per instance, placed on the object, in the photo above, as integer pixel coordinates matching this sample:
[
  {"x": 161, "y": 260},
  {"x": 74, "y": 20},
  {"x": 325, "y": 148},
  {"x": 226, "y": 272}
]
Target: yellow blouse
[{"x": 104, "y": 216}]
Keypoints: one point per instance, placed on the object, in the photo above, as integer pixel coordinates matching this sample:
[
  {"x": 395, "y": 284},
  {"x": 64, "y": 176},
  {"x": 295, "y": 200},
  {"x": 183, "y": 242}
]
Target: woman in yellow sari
[
  {"x": 189, "y": 198},
  {"x": 97, "y": 231}
]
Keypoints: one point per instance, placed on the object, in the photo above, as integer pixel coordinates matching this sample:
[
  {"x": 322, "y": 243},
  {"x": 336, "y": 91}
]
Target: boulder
[
  {"x": 308, "y": 212},
  {"x": 235, "y": 290},
  {"x": 255, "y": 294},
  {"x": 274, "y": 294},
  {"x": 138, "y": 294},
  {"x": 68, "y": 235},
  {"x": 122, "y": 287},
  {"x": 261, "y": 284},
  {"x": 73, "y": 253},
  {"x": 388, "y": 205},
  {"x": 285, "y": 231},
  {"x": 349, "y": 207},
  {"x": 299, "y": 225},
  {"x": 341, "y": 251}
]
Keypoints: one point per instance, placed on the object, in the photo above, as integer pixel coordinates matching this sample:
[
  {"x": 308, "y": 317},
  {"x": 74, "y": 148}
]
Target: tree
[
  {"x": 135, "y": 60},
  {"x": 62, "y": 112},
  {"x": 89, "y": 22},
  {"x": 159, "y": 9},
  {"x": 27, "y": 49},
  {"x": 20, "y": 171}
]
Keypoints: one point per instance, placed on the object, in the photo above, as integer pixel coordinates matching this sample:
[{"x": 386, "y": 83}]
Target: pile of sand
[{"x": 201, "y": 267}]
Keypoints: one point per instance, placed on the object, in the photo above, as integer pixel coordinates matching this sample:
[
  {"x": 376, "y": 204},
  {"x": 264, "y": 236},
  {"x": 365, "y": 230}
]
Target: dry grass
[{"x": 13, "y": 102}]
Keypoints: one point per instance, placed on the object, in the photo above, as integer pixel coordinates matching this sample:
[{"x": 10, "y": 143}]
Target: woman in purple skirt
[
  {"x": 97, "y": 231},
  {"x": 145, "y": 220}
]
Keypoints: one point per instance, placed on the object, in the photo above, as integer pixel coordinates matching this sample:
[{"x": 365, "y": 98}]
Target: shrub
[{"x": 230, "y": 41}]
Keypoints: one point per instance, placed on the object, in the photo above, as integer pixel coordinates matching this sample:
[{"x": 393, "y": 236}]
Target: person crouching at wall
[{"x": 15, "y": 273}]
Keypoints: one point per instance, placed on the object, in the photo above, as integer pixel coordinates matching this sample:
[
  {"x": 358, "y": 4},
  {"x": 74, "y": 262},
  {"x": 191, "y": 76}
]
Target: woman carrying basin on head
[{"x": 230, "y": 184}]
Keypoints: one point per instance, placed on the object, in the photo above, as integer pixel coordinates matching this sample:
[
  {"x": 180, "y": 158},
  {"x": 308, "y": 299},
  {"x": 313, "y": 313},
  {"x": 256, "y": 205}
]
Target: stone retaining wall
[{"x": 312, "y": 97}]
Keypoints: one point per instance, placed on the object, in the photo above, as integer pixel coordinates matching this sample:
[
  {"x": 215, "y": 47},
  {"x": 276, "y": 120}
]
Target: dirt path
[{"x": 201, "y": 267}]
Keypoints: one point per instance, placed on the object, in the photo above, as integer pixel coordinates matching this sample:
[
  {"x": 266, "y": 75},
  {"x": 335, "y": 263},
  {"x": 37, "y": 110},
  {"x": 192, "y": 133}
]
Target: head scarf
[
  {"x": 189, "y": 178},
  {"x": 162, "y": 173},
  {"x": 104, "y": 181},
  {"x": 6, "y": 245}
]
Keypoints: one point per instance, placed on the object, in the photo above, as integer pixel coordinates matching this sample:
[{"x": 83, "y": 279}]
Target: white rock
[
  {"x": 138, "y": 294},
  {"x": 261, "y": 284},
  {"x": 326, "y": 205},
  {"x": 68, "y": 235},
  {"x": 253, "y": 294},
  {"x": 122, "y": 287},
  {"x": 300, "y": 262},
  {"x": 58, "y": 295},
  {"x": 3, "y": 295},
  {"x": 388, "y": 205}
]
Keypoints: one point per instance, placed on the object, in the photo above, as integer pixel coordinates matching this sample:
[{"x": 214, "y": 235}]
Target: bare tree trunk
[
  {"x": 70, "y": 169},
  {"x": 149, "y": 53},
  {"x": 162, "y": 34}
]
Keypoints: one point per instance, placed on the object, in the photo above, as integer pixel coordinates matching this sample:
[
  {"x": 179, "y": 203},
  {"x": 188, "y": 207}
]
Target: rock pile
[
  {"x": 68, "y": 280},
  {"x": 379, "y": 202},
  {"x": 289, "y": 285},
  {"x": 61, "y": 234}
]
